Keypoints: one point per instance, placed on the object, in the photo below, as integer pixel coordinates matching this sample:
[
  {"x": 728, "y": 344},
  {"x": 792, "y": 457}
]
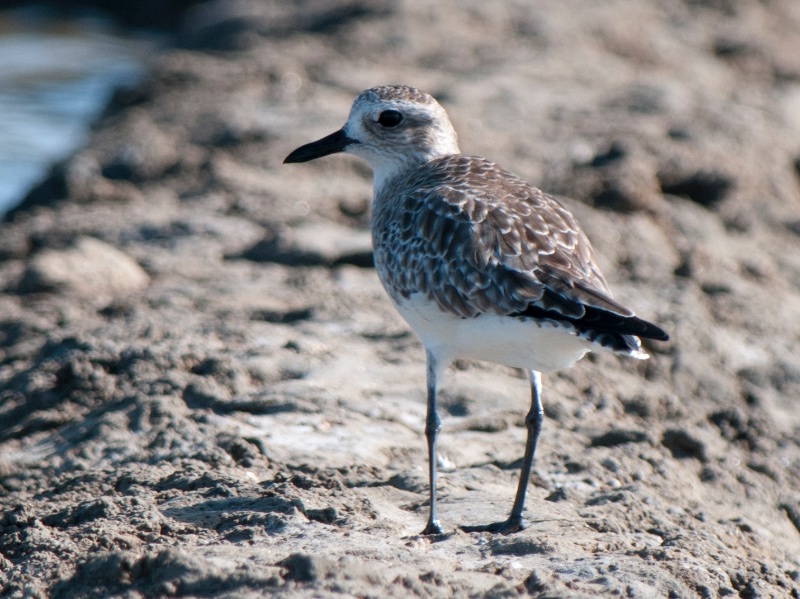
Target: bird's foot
[
  {"x": 506, "y": 527},
  {"x": 432, "y": 528}
]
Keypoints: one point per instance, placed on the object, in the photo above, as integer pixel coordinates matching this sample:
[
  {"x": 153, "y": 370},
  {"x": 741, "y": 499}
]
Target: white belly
[{"x": 529, "y": 344}]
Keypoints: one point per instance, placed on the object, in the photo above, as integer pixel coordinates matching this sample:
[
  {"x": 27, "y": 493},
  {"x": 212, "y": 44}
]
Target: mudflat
[{"x": 204, "y": 390}]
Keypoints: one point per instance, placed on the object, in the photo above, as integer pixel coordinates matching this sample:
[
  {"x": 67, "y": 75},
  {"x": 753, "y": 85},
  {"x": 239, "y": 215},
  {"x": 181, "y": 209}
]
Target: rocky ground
[{"x": 205, "y": 392}]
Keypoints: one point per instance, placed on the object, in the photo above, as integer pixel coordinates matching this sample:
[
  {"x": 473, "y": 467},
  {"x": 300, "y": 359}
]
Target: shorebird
[{"x": 478, "y": 262}]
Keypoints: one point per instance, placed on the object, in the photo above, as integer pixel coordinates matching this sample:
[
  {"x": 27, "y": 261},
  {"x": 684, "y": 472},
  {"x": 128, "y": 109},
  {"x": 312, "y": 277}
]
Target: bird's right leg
[{"x": 432, "y": 426}]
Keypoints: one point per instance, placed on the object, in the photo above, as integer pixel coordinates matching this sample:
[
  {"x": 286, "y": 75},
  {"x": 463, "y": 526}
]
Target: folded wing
[{"x": 486, "y": 241}]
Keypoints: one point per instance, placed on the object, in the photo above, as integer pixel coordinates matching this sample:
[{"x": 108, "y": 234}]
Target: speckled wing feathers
[
  {"x": 479, "y": 239},
  {"x": 475, "y": 238}
]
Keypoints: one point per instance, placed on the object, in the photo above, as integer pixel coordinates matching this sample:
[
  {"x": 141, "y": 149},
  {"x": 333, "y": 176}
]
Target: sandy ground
[{"x": 205, "y": 392}]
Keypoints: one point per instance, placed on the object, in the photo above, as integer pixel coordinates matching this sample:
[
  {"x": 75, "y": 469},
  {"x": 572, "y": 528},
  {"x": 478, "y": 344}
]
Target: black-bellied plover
[{"x": 480, "y": 264}]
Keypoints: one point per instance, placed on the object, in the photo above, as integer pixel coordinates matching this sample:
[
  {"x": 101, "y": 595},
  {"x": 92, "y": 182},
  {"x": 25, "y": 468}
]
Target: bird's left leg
[{"x": 533, "y": 422}]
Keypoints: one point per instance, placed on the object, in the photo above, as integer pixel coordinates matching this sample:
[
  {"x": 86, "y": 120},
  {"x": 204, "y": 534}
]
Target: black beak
[{"x": 335, "y": 142}]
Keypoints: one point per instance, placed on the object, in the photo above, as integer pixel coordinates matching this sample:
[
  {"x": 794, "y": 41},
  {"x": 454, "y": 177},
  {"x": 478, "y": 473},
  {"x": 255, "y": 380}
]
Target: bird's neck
[{"x": 387, "y": 170}]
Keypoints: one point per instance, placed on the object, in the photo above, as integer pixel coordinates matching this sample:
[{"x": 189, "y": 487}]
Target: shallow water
[{"x": 55, "y": 78}]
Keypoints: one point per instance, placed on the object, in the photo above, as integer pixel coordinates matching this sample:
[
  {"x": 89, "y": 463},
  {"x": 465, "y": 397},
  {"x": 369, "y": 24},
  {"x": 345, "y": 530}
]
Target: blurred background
[{"x": 60, "y": 64}]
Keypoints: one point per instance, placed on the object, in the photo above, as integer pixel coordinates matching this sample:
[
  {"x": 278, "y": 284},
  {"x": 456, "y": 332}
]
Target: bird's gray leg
[
  {"x": 432, "y": 426},
  {"x": 533, "y": 422}
]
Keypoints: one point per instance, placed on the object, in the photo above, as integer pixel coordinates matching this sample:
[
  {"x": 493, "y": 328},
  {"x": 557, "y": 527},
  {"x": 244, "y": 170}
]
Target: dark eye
[{"x": 390, "y": 118}]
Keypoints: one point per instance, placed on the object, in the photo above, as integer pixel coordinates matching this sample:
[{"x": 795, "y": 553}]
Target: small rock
[
  {"x": 618, "y": 437},
  {"x": 683, "y": 444},
  {"x": 611, "y": 464},
  {"x": 89, "y": 268},
  {"x": 560, "y": 494},
  {"x": 307, "y": 568}
]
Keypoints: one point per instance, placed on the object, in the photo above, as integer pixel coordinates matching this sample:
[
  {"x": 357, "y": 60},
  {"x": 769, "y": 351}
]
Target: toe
[{"x": 506, "y": 527}]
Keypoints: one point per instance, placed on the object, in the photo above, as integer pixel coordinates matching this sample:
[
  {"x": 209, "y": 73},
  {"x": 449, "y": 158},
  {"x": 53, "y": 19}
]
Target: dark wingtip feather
[
  {"x": 604, "y": 321},
  {"x": 652, "y": 331}
]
